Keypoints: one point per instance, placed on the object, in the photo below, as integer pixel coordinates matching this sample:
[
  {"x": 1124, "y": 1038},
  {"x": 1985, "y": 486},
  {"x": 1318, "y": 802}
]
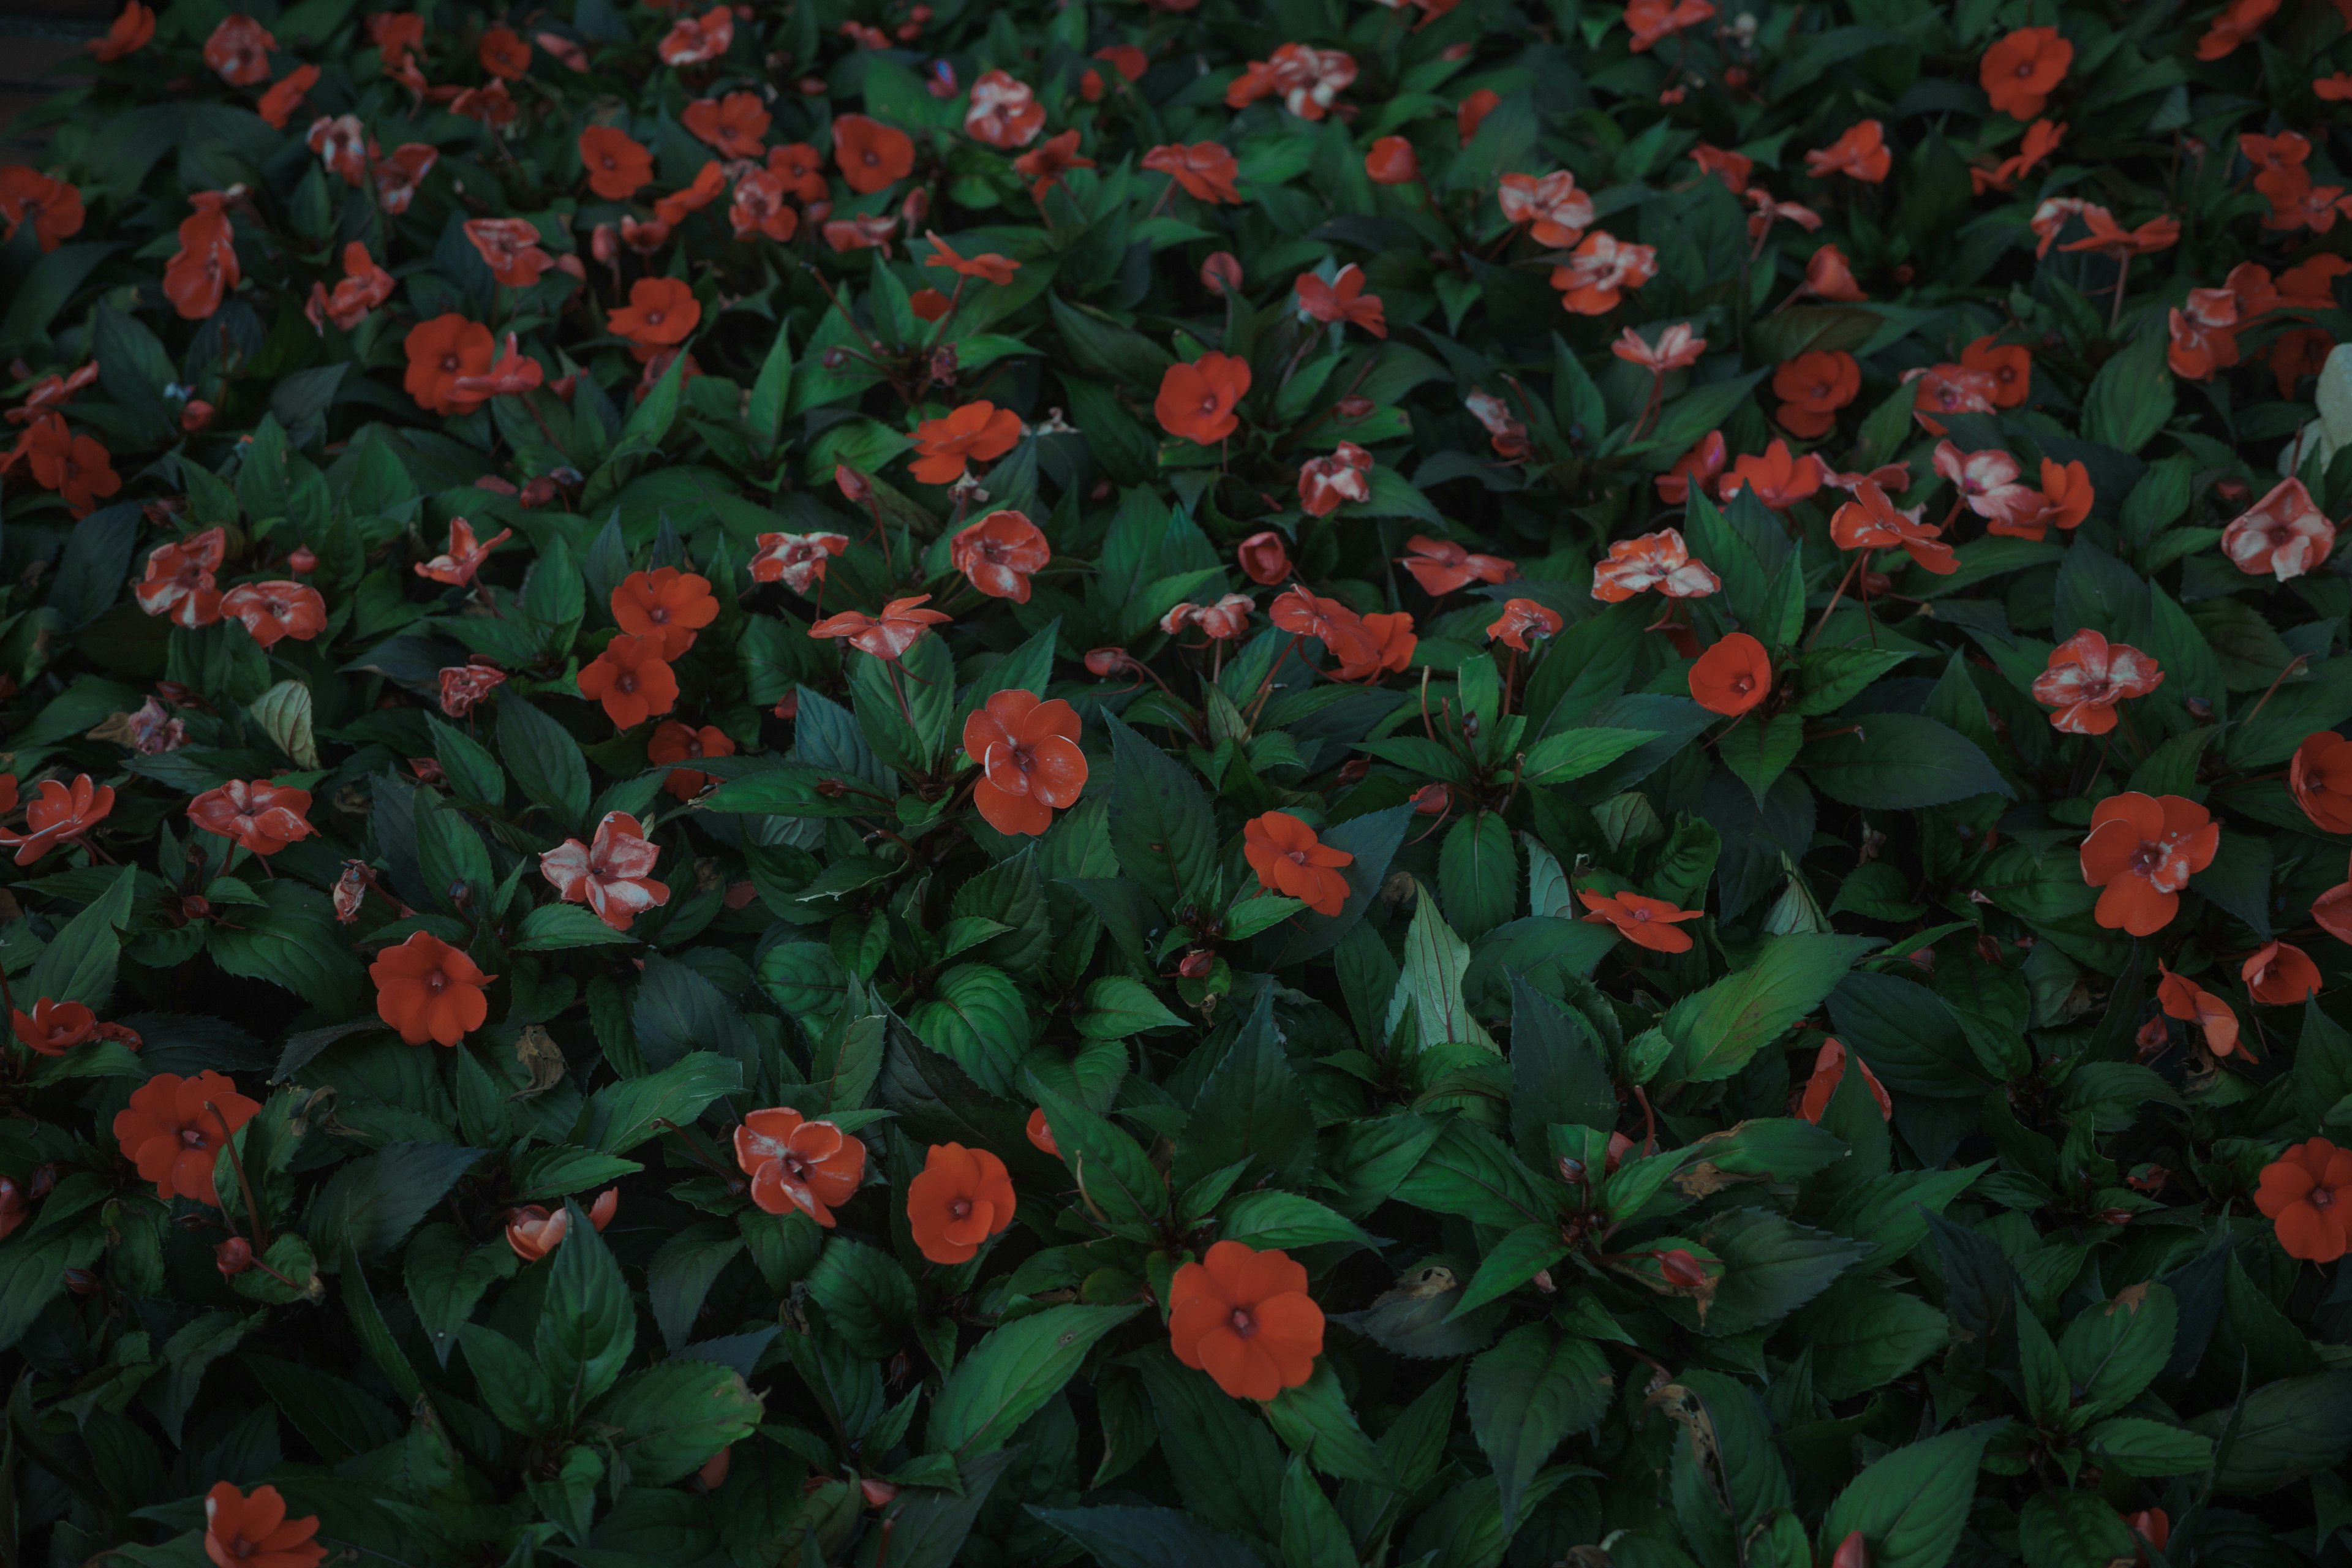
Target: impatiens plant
[{"x": 1344, "y": 785}]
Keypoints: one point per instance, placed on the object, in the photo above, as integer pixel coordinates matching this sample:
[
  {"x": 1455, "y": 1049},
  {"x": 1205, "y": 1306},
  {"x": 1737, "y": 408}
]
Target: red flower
[
  {"x": 614, "y": 877},
  {"x": 464, "y": 555},
  {"x": 1732, "y": 677},
  {"x": 2239, "y": 21},
  {"x": 1393, "y": 640},
  {"x": 2113, "y": 239},
  {"x": 429, "y": 991},
  {"x": 1030, "y": 761},
  {"x": 76, "y": 466},
  {"x": 1291, "y": 859},
  {"x": 2142, "y": 850},
  {"x": 1472, "y": 112},
  {"x": 869, "y": 233},
  {"x": 396, "y": 35},
  {"x": 1557, "y": 212},
  {"x": 988, "y": 267},
  {"x": 504, "y": 54},
  {"x": 998, "y": 554},
  {"x": 1245, "y": 1319},
  {"x": 1829, "y": 1072},
  {"x": 179, "y": 582},
  {"x": 239, "y": 50},
  {"x": 1341, "y": 299},
  {"x": 813, "y": 1166},
  {"x": 1338, "y": 628},
  {"x": 204, "y": 268},
  {"x": 1306, "y": 80},
  {"x": 632, "y": 679},
  {"x": 1643, "y": 922},
  {"x": 363, "y": 288},
  {"x": 889, "y": 635},
  {"x": 1652, "y": 20},
  {"x": 1197, "y": 401},
  {"x": 243, "y": 1531},
  {"x": 1440, "y": 566},
  {"x": 617, "y": 165},
  {"x": 54, "y": 1027},
  {"x": 734, "y": 125},
  {"x": 1701, "y": 463},
  {"x": 440, "y": 351},
  {"x": 1221, "y": 622},
  {"x": 463, "y": 685},
  {"x": 709, "y": 184},
  {"x": 1812, "y": 388},
  {"x": 660, "y": 314},
  {"x": 1780, "y": 477},
  {"x": 1205, "y": 170},
  {"x": 673, "y": 741},
  {"x": 2307, "y": 1194},
  {"x": 509, "y": 247},
  {"x": 1325, "y": 483},
  {"x": 2280, "y": 974},
  {"x": 695, "y": 39},
  {"x": 1041, "y": 1134},
  {"x": 175, "y": 1126},
  {"x": 1871, "y": 521},
  {"x": 2184, "y": 999},
  {"x": 279, "y": 104},
  {"x": 52, "y": 206},
  {"x": 2020, "y": 71},
  {"x": 1263, "y": 558},
  {"x": 1734, "y": 169},
  {"x": 1827, "y": 276},
  {"x": 260, "y": 816},
  {"x": 1861, "y": 152},
  {"x": 2087, "y": 677},
  {"x": 1003, "y": 112},
  {"x": 977, "y": 432},
  {"x": 2320, "y": 775},
  {"x": 1391, "y": 161},
  {"x": 2010, "y": 366},
  {"x": 1660, "y": 561},
  {"x": 1520, "y": 619},
  {"x": 1045, "y": 164},
  {"x": 2063, "y": 502},
  {"x": 533, "y": 1232},
  {"x": 871, "y": 154},
  {"x": 2285, "y": 533},
  {"x": 510, "y": 375},
  {"x": 132, "y": 28},
  {"x": 59, "y": 814},
  {"x": 961, "y": 1198},
  {"x": 274, "y": 611},
  {"x": 1598, "y": 270},
  {"x": 399, "y": 173},
  {"x": 667, "y": 606},
  {"x": 801, "y": 169},
  {"x": 1508, "y": 435},
  {"x": 795, "y": 560},
  {"x": 759, "y": 207}
]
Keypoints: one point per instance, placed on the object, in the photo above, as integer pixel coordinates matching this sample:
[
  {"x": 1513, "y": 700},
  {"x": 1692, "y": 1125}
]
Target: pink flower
[
  {"x": 1344, "y": 475},
  {"x": 699, "y": 38},
  {"x": 1221, "y": 622},
  {"x": 2087, "y": 677},
  {"x": 464, "y": 555},
  {"x": 795, "y": 560},
  {"x": 1003, "y": 112},
  {"x": 614, "y": 875},
  {"x": 1676, "y": 348},
  {"x": 1660, "y": 561},
  {"x": 1987, "y": 482},
  {"x": 2285, "y": 533},
  {"x": 1557, "y": 211}
]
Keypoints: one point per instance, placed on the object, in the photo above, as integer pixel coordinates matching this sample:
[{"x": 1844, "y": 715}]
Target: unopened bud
[
  {"x": 1197, "y": 963},
  {"x": 233, "y": 1256}
]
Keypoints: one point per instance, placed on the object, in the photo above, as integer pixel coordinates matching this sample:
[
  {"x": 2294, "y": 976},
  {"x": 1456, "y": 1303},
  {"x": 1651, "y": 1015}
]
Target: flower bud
[
  {"x": 233, "y": 1256},
  {"x": 1220, "y": 274}
]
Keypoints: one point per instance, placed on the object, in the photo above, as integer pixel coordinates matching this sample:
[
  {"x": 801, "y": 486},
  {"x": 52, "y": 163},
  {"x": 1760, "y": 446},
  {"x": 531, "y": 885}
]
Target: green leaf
[
  {"x": 1125, "y": 1537},
  {"x": 2115, "y": 1351},
  {"x": 624, "y": 1114},
  {"x": 1912, "y": 1505},
  {"x": 1117, "y": 1006},
  {"x": 552, "y": 928},
  {"x": 1478, "y": 875},
  {"x": 2285, "y": 1430},
  {"x": 2060, "y": 1528},
  {"x": 674, "y": 1417},
  {"x": 1898, "y": 762},
  {"x": 1865, "y": 1337},
  {"x": 368, "y": 1207},
  {"x": 1716, "y": 1031},
  {"x": 446, "y": 1279},
  {"x": 79, "y": 963},
  {"x": 868, "y": 1300},
  {"x": 1429, "y": 993},
  {"x": 683, "y": 1270},
  {"x": 2139, "y": 1446},
  {"x": 2131, "y": 397},
  {"x": 1771, "y": 1267},
  {"x": 1160, "y": 824},
  {"x": 588, "y": 1324},
  {"x": 1314, "y": 1420},
  {"x": 979, "y": 1020},
  {"x": 545, "y": 760},
  {"x": 1532, "y": 1392},
  {"x": 1269, "y": 1217},
  {"x": 1573, "y": 753},
  {"x": 1011, "y": 1374},
  {"x": 1519, "y": 1257}
]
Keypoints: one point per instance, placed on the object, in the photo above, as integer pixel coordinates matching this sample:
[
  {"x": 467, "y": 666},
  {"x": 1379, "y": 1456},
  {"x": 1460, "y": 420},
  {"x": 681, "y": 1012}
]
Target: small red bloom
[
  {"x": 1523, "y": 618},
  {"x": 1871, "y": 521},
  {"x": 285, "y": 96},
  {"x": 179, "y": 582},
  {"x": 274, "y": 611},
  {"x": 238, "y": 50},
  {"x": 977, "y": 432},
  {"x": 1829, "y": 1072},
  {"x": 53, "y": 1028},
  {"x": 2280, "y": 974},
  {"x": 2087, "y": 677},
  {"x": 1440, "y": 566},
  {"x": 2184, "y": 999},
  {"x": 614, "y": 875},
  {"x": 998, "y": 554},
  {"x": 2285, "y": 533},
  {"x": 667, "y": 606},
  {"x": 1391, "y": 161},
  {"x": 2020, "y": 71},
  {"x": 1030, "y": 761},
  {"x": 243, "y": 1531},
  {"x": 673, "y": 743},
  {"x": 1197, "y": 401},
  {"x": 1264, "y": 559},
  {"x": 1205, "y": 170},
  {"x": 533, "y": 1232},
  {"x": 632, "y": 679},
  {"x": 1660, "y": 561},
  {"x": 661, "y": 313},
  {"x": 440, "y": 352},
  {"x": 1291, "y": 859},
  {"x": 898, "y": 627},
  {"x": 618, "y": 165},
  {"x": 429, "y": 991},
  {"x": 1003, "y": 112},
  {"x": 961, "y": 1198},
  {"x": 173, "y": 1128},
  {"x": 59, "y": 814},
  {"x": 1732, "y": 677},
  {"x": 1324, "y": 483},
  {"x": 1244, "y": 1317},
  {"x": 1643, "y": 922},
  {"x": 1812, "y": 388},
  {"x": 509, "y": 247},
  {"x": 1341, "y": 299},
  {"x": 1861, "y": 152},
  {"x": 260, "y": 816},
  {"x": 1779, "y": 478},
  {"x": 1597, "y": 272},
  {"x": 692, "y": 40},
  {"x": 813, "y": 1166},
  {"x": 871, "y": 154},
  {"x": 132, "y": 28},
  {"x": 795, "y": 560},
  {"x": 2142, "y": 850}
]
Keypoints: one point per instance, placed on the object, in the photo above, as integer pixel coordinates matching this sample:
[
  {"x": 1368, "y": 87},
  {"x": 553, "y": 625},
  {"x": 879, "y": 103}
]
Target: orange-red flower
[
  {"x": 261, "y": 816},
  {"x": 1829, "y": 275},
  {"x": 1045, "y": 164},
  {"x": 692, "y": 40},
  {"x": 1205, "y": 169},
  {"x": 1003, "y": 112},
  {"x": 363, "y": 288},
  {"x": 1652, "y": 20},
  {"x": 812, "y": 1166},
  {"x": 614, "y": 877},
  {"x": 2086, "y": 677},
  {"x": 1324, "y": 483},
  {"x": 674, "y": 742},
  {"x": 204, "y": 268},
  {"x": 2021, "y": 70},
  {"x": 900, "y": 627},
  {"x": 1732, "y": 677},
  {"x": 1871, "y": 521},
  {"x": 1779, "y": 478},
  {"x": 59, "y": 814},
  {"x": 76, "y": 466},
  {"x": 961, "y": 1198},
  {"x": 1660, "y": 561},
  {"x": 243, "y": 1531},
  {"x": 2284, "y": 534},
  {"x": 179, "y": 582},
  {"x": 1829, "y": 1072},
  {"x": 1030, "y": 761},
  {"x": 660, "y": 314},
  {"x": 1197, "y": 401},
  {"x": 1598, "y": 271},
  {"x": 1391, "y": 636},
  {"x": 429, "y": 991},
  {"x": 2320, "y": 775},
  {"x": 1306, "y": 80},
  {"x": 734, "y": 124},
  {"x": 1221, "y": 622},
  {"x": 509, "y": 247},
  {"x": 533, "y": 1232},
  {"x": 2142, "y": 849},
  {"x": 1701, "y": 463},
  {"x": 2280, "y": 974},
  {"x": 238, "y": 50},
  {"x": 131, "y": 30},
  {"x": 2239, "y": 20},
  {"x": 2183, "y": 998},
  {"x": 173, "y": 1128},
  {"x": 988, "y": 266},
  {"x": 52, "y": 206},
  {"x": 1341, "y": 299},
  {"x": 1472, "y": 112},
  {"x": 795, "y": 560},
  {"x": 274, "y": 611},
  {"x": 2307, "y": 1194},
  {"x": 1291, "y": 859},
  {"x": 1041, "y": 1134},
  {"x": 1812, "y": 388},
  {"x": 667, "y": 606},
  {"x": 977, "y": 432},
  {"x": 2010, "y": 366},
  {"x": 1643, "y": 922},
  {"x": 759, "y": 207},
  {"x": 285, "y": 96},
  {"x": 1245, "y": 1319},
  {"x": 1523, "y": 618},
  {"x": 632, "y": 679},
  {"x": 997, "y": 555},
  {"x": 441, "y": 351},
  {"x": 1861, "y": 152},
  {"x": 1440, "y": 565},
  {"x": 618, "y": 165},
  {"x": 871, "y": 154},
  {"x": 53, "y": 1028},
  {"x": 464, "y": 555},
  {"x": 504, "y": 54},
  {"x": 1338, "y": 628}
]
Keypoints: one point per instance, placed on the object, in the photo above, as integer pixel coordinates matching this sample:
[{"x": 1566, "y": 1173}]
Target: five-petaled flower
[
  {"x": 2020, "y": 70},
  {"x": 1290, "y": 858},
  {"x": 1345, "y": 475},
  {"x": 889, "y": 635},
  {"x": 1341, "y": 299},
  {"x": 2320, "y": 775},
  {"x": 2280, "y": 974},
  {"x": 1733, "y": 676},
  {"x": 665, "y": 606},
  {"x": 533, "y": 1232},
  {"x": 429, "y": 991},
  {"x": 674, "y": 742},
  {"x": 960, "y": 1198},
  {"x": 1643, "y": 922},
  {"x": 976, "y": 432},
  {"x": 1197, "y": 401},
  {"x": 173, "y": 1128},
  {"x": 271, "y": 612},
  {"x": 58, "y": 814},
  {"x": 1440, "y": 566},
  {"x": 2087, "y": 677},
  {"x": 2285, "y": 533},
  {"x": 1522, "y": 619},
  {"x": 1003, "y": 112},
  {"x": 2306, "y": 1195},
  {"x": 1660, "y": 561},
  {"x": 618, "y": 165},
  {"x": 612, "y": 875},
  {"x": 1205, "y": 170},
  {"x": 2142, "y": 850},
  {"x": 1557, "y": 214},
  {"x": 52, "y": 1029},
  {"x": 812, "y": 1166},
  {"x": 262, "y": 818},
  {"x": 1871, "y": 521},
  {"x": 464, "y": 555},
  {"x": 798, "y": 561},
  {"x": 999, "y": 552},
  {"x": 1244, "y": 1317},
  {"x": 871, "y": 154},
  {"x": 1029, "y": 762},
  {"x": 2183, "y": 998},
  {"x": 632, "y": 679},
  {"x": 243, "y": 1531}
]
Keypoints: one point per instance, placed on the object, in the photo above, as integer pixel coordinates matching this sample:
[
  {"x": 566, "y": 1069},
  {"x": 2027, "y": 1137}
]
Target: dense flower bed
[{"x": 1288, "y": 783}]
